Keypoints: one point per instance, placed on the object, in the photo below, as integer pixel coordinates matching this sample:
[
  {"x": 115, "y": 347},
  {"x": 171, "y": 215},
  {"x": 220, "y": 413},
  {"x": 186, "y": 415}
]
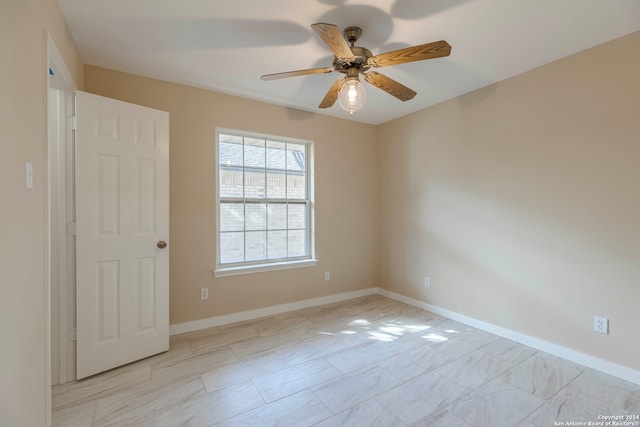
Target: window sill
[{"x": 259, "y": 268}]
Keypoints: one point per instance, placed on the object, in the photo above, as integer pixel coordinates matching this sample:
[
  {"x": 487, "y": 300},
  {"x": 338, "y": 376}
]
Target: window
[{"x": 264, "y": 203}]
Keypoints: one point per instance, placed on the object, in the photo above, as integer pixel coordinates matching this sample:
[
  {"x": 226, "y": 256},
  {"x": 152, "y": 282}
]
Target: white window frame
[{"x": 222, "y": 270}]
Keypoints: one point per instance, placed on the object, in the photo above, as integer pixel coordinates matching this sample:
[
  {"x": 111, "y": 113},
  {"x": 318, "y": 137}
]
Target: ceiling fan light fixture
[{"x": 352, "y": 96}]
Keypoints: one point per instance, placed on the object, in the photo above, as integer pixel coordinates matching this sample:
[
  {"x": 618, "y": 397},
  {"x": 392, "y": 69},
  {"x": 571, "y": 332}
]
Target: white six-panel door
[{"x": 122, "y": 216}]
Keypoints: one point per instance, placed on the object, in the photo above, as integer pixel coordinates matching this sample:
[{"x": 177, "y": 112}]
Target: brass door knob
[{"x": 162, "y": 244}]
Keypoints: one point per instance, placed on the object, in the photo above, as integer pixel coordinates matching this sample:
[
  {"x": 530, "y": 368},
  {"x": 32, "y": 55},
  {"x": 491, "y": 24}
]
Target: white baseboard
[
  {"x": 242, "y": 316},
  {"x": 589, "y": 361}
]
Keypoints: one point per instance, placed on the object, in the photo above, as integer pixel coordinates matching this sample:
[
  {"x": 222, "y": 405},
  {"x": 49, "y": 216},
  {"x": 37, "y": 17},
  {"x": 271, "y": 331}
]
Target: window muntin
[{"x": 264, "y": 204}]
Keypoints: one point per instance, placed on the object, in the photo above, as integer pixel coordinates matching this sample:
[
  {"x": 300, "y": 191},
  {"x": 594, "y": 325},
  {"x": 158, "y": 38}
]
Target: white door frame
[{"x": 59, "y": 246}]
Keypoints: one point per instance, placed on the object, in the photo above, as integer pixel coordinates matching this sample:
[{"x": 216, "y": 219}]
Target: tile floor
[{"x": 369, "y": 361}]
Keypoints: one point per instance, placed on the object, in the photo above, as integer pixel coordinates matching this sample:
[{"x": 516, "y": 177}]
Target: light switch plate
[{"x": 29, "y": 175}]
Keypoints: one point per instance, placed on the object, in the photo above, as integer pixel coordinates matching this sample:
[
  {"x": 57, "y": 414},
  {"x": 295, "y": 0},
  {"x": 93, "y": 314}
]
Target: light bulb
[
  {"x": 352, "y": 93},
  {"x": 352, "y": 96}
]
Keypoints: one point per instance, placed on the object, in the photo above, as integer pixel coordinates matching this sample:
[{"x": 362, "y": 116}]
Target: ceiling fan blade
[
  {"x": 415, "y": 53},
  {"x": 389, "y": 85},
  {"x": 333, "y": 37},
  {"x": 332, "y": 94},
  {"x": 297, "y": 73}
]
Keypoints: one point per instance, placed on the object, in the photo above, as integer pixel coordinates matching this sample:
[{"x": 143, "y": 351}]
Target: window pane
[
  {"x": 230, "y": 181},
  {"x": 231, "y": 247},
  {"x": 255, "y": 246},
  {"x": 296, "y": 243},
  {"x": 276, "y": 155},
  {"x": 296, "y": 188},
  {"x": 231, "y": 139},
  {"x": 296, "y": 157},
  {"x": 277, "y": 216},
  {"x": 297, "y": 218},
  {"x": 276, "y": 184},
  {"x": 277, "y": 244},
  {"x": 254, "y": 184},
  {"x": 230, "y": 151},
  {"x": 256, "y": 216},
  {"x": 263, "y": 199},
  {"x": 254, "y": 154},
  {"x": 231, "y": 217}
]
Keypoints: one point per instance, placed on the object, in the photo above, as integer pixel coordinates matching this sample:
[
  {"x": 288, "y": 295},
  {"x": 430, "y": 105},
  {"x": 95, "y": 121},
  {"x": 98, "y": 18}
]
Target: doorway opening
[{"x": 60, "y": 217}]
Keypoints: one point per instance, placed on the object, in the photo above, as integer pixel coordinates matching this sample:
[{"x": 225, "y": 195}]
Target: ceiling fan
[{"x": 354, "y": 61}]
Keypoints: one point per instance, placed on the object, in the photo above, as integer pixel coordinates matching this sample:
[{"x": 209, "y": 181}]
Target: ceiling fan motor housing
[{"x": 360, "y": 54}]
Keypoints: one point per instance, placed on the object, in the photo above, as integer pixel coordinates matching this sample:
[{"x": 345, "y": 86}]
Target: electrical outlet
[
  {"x": 427, "y": 281},
  {"x": 204, "y": 293},
  {"x": 601, "y": 324},
  {"x": 327, "y": 276}
]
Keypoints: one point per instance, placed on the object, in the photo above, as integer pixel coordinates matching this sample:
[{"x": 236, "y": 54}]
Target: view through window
[{"x": 263, "y": 200}]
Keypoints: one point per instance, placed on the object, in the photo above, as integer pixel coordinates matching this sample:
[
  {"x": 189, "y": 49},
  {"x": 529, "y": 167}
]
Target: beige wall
[
  {"x": 23, "y": 28},
  {"x": 345, "y": 196},
  {"x": 521, "y": 201}
]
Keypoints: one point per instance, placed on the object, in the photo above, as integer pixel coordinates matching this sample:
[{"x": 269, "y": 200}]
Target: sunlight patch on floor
[
  {"x": 382, "y": 337},
  {"x": 435, "y": 338},
  {"x": 395, "y": 330}
]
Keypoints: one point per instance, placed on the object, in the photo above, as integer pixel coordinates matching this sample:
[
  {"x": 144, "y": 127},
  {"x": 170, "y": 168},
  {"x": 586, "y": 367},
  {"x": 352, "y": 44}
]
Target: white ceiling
[{"x": 226, "y": 45}]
